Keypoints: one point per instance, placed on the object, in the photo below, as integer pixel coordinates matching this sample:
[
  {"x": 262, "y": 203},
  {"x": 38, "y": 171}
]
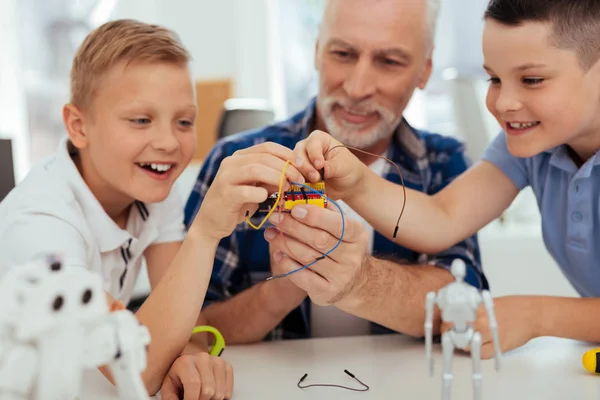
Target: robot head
[
  {"x": 459, "y": 269},
  {"x": 15, "y": 284},
  {"x": 59, "y": 298}
]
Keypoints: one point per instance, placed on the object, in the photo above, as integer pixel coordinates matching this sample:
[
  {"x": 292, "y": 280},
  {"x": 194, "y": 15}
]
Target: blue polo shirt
[{"x": 568, "y": 199}]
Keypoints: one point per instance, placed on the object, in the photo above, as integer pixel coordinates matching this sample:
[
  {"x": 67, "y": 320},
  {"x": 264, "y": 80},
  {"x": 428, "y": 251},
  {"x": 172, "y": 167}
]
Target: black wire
[
  {"x": 386, "y": 159},
  {"x": 333, "y": 385}
]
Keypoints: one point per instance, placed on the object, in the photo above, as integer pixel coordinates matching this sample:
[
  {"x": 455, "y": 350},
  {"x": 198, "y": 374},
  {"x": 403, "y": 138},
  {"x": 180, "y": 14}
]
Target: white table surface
[{"x": 394, "y": 367}]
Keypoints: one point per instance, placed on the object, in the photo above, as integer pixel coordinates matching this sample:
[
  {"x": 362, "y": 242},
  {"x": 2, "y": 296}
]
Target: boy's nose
[
  {"x": 507, "y": 102},
  {"x": 166, "y": 141}
]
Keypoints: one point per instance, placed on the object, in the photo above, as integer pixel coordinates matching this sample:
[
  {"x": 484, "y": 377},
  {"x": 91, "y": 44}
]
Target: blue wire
[{"x": 328, "y": 252}]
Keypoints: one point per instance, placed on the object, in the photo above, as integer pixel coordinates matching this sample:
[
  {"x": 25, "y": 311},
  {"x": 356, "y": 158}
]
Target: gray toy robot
[{"x": 458, "y": 303}]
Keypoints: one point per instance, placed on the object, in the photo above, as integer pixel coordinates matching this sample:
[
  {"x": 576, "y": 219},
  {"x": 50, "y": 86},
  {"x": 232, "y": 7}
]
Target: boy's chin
[
  {"x": 151, "y": 196},
  {"x": 526, "y": 150}
]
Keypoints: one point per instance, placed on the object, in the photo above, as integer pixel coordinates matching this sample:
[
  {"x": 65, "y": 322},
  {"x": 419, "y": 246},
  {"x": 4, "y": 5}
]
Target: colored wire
[
  {"x": 336, "y": 386},
  {"x": 277, "y": 205},
  {"x": 329, "y": 251},
  {"x": 276, "y": 201},
  {"x": 386, "y": 159}
]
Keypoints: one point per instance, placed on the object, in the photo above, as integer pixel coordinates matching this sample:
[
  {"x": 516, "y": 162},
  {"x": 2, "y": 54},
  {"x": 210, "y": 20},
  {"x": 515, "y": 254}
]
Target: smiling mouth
[
  {"x": 523, "y": 125},
  {"x": 156, "y": 168}
]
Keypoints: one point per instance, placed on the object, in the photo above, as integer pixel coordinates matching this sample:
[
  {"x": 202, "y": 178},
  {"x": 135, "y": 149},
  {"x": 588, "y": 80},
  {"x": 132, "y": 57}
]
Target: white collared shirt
[{"x": 53, "y": 211}]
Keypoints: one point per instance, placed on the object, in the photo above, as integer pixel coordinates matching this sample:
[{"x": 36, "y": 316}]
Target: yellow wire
[{"x": 276, "y": 201}]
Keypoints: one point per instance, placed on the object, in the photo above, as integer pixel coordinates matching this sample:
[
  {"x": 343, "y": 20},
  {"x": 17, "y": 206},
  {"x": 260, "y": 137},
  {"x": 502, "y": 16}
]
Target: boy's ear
[{"x": 73, "y": 120}]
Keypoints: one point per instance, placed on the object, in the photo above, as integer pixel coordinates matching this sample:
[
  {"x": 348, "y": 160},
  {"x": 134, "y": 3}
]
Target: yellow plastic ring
[{"x": 219, "y": 343}]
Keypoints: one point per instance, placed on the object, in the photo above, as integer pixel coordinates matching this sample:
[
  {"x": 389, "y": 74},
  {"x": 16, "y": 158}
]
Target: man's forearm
[
  {"x": 252, "y": 314},
  {"x": 567, "y": 317},
  {"x": 393, "y": 295}
]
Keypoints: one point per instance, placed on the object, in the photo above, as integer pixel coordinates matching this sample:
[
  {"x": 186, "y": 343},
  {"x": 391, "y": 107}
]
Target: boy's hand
[
  {"x": 244, "y": 180},
  {"x": 343, "y": 171},
  {"x": 517, "y": 323},
  {"x": 198, "y": 376}
]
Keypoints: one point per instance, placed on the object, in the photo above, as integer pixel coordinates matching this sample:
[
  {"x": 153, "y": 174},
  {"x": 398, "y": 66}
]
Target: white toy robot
[
  {"x": 458, "y": 303},
  {"x": 54, "y": 324}
]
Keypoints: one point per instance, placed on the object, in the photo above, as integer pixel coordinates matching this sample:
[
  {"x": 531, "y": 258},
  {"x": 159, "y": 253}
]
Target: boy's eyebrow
[
  {"x": 529, "y": 65},
  {"x": 520, "y": 67}
]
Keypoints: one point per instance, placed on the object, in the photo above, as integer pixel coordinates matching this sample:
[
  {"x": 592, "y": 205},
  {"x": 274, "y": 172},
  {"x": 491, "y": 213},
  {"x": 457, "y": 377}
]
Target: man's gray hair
[
  {"x": 431, "y": 16},
  {"x": 433, "y": 12}
]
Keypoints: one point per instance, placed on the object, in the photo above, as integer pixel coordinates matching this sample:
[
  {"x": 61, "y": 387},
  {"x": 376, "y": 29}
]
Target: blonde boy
[{"x": 106, "y": 199}]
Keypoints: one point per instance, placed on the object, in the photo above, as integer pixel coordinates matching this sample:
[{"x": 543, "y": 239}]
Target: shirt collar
[
  {"x": 107, "y": 233},
  {"x": 405, "y": 136},
  {"x": 560, "y": 158}
]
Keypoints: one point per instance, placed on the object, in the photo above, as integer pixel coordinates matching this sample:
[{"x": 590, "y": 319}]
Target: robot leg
[
  {"x": 448, "y": 350},
  {"x": 476, "y": 357}
]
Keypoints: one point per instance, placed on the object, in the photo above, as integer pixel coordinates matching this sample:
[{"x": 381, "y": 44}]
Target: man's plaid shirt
[{"x": 428, "y": 162}]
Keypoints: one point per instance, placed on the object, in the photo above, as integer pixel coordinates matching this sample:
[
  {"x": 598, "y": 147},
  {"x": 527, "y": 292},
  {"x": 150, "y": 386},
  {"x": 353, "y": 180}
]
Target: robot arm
[
  {"x": 488, "y": 302},
  {"x": 120, "y": 342},
  {"x": 429, "y": 304},
  {"x": 18, "y": 370}
]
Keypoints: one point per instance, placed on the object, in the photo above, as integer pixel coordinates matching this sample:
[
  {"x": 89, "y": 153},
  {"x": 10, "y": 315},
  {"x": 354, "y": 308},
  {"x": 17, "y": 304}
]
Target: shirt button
[{"x": 576, "y": 216}]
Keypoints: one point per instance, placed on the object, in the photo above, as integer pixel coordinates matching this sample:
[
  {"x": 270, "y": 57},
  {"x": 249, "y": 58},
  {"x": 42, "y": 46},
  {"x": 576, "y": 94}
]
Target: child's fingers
[
  {"x": 240, "y": 195},
  {"x": 317, "y": 145},
  {"x": 303, "y": 163},
  {"x": 274, "y": 149},
  {"x": 234, "y": 163},
  {"x": 257, "y": 174}
]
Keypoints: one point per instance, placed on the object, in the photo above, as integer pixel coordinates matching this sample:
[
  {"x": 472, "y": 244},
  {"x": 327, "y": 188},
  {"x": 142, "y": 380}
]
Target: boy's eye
[
  {"x": 493, "y": 80},
  {"x": 532, "y": 81},
  {"x": 185, "y": 123},
  {"x": 140, "y": 121}
]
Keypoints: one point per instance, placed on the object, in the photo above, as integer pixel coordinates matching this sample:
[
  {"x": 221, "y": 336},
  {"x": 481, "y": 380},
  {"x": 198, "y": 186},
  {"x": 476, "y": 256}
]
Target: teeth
[
  {"x": 521, "y": 125},
  {"x": 157, "y": 167}
]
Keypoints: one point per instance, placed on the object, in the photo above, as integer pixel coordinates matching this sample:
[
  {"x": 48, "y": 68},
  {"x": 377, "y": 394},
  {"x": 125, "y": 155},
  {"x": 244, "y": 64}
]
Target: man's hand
[
  {"x": 244, "y": 180},
  {"x": 286, "y": 295},
  {"x": 311, "y": 231},
  {"x": 343, "y": 171},
  {"x": 198, "y": 376},
  {"x": 517, "y": 318}
]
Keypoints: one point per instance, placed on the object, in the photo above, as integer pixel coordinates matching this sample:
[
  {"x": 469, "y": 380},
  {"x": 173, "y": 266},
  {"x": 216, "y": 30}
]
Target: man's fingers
[
  {"x": 319, "y": 240},
  {"x": 298, "y": 251},
  {"x": 305, "y": 279},
  {"x": 329, "y": 220}
]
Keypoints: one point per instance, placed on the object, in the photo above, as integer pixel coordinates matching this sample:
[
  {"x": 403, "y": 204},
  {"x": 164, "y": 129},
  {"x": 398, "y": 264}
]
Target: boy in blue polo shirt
[{"x": 542, "y": 58}]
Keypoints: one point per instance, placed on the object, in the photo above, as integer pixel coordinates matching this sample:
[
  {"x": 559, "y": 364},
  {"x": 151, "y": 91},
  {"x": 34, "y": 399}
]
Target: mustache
[{"x": 360, "y": 107}]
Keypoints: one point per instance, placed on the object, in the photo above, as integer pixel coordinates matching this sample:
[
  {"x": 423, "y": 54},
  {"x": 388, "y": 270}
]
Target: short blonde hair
[{"x": 117, "y": 41}]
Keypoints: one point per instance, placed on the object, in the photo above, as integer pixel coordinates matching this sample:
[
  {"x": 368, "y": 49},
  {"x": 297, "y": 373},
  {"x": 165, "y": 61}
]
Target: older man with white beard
[{"x": 371, "y": 56}]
